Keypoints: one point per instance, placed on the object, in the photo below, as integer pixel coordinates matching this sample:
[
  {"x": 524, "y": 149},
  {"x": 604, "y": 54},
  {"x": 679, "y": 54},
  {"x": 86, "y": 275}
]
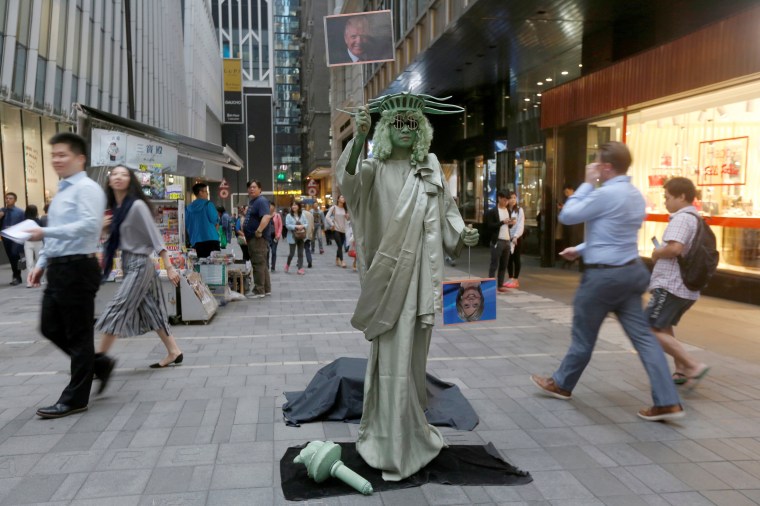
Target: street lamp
[{"x": 251, "y": 138}]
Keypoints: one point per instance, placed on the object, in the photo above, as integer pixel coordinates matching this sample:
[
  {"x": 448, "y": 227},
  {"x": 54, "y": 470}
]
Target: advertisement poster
[
  {"x": 108, "y": 148},
  {"x": 145, "y": 154},
  {"x": 362, "y": 37},
  {"x": 469, "y": 301},
  {"x": 233, "y": 90},
  {"x": 723, "y": 162}
]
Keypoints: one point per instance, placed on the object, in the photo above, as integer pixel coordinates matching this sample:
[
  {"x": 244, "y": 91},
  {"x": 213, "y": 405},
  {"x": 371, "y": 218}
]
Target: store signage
[
  {"x": 233, "y": 90},
  {"x": 151, "y": 156},
  {"x": 108, "y": 148},
  {"x": 312, "y": 187},
  {"x": 723, "y": 162},
  {"x": 224, "y": 189}
]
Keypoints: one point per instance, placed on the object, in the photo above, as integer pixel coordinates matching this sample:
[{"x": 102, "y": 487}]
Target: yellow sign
[
  {"x": 233, "y": 74},
  {"x": 287, "y": 192}
]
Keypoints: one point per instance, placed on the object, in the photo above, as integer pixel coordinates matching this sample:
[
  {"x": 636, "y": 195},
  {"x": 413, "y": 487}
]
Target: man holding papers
[{"x": 75, "y": 220}]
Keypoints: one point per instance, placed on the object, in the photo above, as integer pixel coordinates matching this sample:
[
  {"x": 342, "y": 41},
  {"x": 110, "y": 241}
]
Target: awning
[{"x": 191, "y": 150}]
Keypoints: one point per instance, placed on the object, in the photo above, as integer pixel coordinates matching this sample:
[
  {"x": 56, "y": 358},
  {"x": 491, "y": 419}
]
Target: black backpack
[{"x": 701, "y": 262}]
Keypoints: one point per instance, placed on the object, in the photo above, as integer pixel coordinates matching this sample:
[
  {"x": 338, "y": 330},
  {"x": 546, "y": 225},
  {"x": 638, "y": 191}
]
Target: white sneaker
[{"x": 255, "y": 295}]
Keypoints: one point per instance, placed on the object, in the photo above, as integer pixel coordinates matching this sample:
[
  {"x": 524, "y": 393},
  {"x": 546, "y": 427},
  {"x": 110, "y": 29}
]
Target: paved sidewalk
[{"x": 211, "y": 431}]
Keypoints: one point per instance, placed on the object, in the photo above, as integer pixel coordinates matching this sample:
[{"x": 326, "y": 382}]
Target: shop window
[
  {"x": 33, "y": 164},
  {"x": 714, "y": 140},
  {"x": 51, "y": 178},
  {"x": 58, "y": 89}
]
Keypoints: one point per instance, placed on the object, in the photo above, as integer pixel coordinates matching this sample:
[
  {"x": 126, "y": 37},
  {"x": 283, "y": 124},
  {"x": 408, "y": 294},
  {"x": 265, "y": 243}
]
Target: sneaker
[
  {"x": 513, "y": 284},
  {"x": 16, "y": 281},
  {"x": 502, "y": 290},
  {"x": 301, "y": 272},
  {"x": 550, "y": 388},
  {"x": 268, "y": 294},
  {"x": 287, "y": 268},
  {"x": 662, "y": 413},
  {"x": 255, "y": 295}
]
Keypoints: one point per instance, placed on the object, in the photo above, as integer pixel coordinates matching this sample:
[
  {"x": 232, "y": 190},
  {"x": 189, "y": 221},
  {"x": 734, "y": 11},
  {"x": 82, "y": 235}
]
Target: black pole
[{"x": 130, "y": 71}]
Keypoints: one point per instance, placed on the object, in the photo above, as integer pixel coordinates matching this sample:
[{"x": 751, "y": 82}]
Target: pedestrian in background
[
  {"x": 12, "y": 215},
  {"x": 614, "y": 280},
  {"x": 497, "y": 223},
  {"x": 337, "y": 218},
  {"x": 138, "y": 306},
  {"x": 239, "y": 223},
  {"x": 319, "y": 225},
  {"x": 32, "y": 248},
  {"x": 225, "y": 221},
  {"x": 258, "y": 230},
  {"x": 670, "y": 297},
  {"x": 516, "y": 232},
  {"x": 202, "y": 221},
  {"x": 73, "y": 274},
  {"x": 274, "y": 240},
  {"x": 296, "y": 224},
  {"x": 307, "y": 244}
]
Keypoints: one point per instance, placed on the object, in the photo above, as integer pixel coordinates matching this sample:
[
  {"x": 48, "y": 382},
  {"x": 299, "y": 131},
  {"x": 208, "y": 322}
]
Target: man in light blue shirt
[
  {"x": 75, "y": 221},
  {"x": 614, "y": 280}
]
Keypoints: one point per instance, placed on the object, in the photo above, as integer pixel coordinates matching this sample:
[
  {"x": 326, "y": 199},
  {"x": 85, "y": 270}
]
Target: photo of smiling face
[
  {"x": 357, "y": 36},
  {"x": 469, "y": 301}
]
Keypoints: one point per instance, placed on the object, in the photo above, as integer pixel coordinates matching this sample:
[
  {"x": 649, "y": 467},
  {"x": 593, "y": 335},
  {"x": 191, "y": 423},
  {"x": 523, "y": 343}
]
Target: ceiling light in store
[
  {"x": 548, "y": 79},
  {"x": 535, "y": 105},
  {"x": 527, "y": 99},
  {"x": 540, "y": 83},
  {"x": 506, "y": 97},
  {"x": 525, "y": 110},
  {"x": 564, "y": 72},
  {"x": 538, "y": 94},
  {"x": 580, "y": 64}
]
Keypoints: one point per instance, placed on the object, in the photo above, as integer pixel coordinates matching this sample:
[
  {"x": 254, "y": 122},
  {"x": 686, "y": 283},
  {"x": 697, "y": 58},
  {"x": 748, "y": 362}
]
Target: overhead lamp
[
  {"x": 564, "y": 72},
  {"x": 538, "y": 94},
  {"x": 506, "y": 97},
  {"x": 548, "y": 79},
  {"x": 527, "y": 99},
  {"x": 580, "y": 64},
  {"x": 535, "y": 105},
  {"x": 540, "y": 83},
  {"x": 525, "y": 110}
]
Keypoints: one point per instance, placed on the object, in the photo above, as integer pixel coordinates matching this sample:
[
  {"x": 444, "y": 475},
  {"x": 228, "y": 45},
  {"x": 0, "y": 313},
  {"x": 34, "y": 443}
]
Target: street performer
[{"x": 404, "y": 219}]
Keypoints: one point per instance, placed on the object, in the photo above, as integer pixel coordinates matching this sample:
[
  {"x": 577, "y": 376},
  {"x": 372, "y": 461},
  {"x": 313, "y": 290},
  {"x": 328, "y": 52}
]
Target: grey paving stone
[
  {"x": 658, "y": 452},
  {"x": 35, "y": 488},
  {"x": 241, "y": 476},
  {"x": 687, "y": 499},
  {"x": 68, "y": 462},
  {"x": 729, "y": 473},
  {"x": 103, "y": 484},
  {"x": 560, "y": 485},
  {"x": 729, "y": 498},
  {"x": 20, "y": 445},
  {"x": 17, "y": 466},
  {"x": 603, "y": 434},
  {"x": 129, "y": 458},
  {"x": 444, "y": 494},
  {"x": 70, "y": 486},
  {"x": 241, "y": 497},
  {"x": 657, "y": 478},
  {"x": 408, "y": 496},
  {"x": 624, "y": 500},
  {"x": 600, "y": 482},
  {"x": 179, "y": 499},
  {"x": 168, "y": 480},
  {"x": 240, "y": 453},
  {"x": 188, "y": 455}
]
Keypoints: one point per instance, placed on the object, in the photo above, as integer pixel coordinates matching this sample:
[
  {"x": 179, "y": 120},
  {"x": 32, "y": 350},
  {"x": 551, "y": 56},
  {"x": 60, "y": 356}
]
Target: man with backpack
[{"x": 671, "y": 298}]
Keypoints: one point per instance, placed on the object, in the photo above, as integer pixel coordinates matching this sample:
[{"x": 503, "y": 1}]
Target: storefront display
[{"x": 714, "y": 140}]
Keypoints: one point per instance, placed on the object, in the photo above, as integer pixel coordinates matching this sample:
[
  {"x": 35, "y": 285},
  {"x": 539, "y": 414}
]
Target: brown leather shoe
[
  {"x": 549, "y": 387},
  {"x": 662, "y": 413}
]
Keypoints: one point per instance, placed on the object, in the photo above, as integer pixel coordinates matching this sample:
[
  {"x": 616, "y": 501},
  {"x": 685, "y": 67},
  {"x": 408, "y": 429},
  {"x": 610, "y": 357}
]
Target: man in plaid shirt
[{"x": 670, "y": 297}]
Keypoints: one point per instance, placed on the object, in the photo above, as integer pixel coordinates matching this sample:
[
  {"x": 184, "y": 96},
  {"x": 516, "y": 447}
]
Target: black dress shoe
[
  {"x": 15, "y": 282},
  {"x": 176, "y": 361},
  {"x": 59, "y": 411},
  {"x": 105, "y": 374}
]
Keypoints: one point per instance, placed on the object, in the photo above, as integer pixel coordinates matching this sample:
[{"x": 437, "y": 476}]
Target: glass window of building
[
  {"x": 51, "y": 178},
  {"x": 712, "y": 139},
  {"x": 13, "y": 153},
  {"x": 34, "y": 172}
]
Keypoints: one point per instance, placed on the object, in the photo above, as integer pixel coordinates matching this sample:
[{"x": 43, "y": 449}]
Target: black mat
[
  {"x": 336, "y": 393},
  {"x": 455, "y": 465}
]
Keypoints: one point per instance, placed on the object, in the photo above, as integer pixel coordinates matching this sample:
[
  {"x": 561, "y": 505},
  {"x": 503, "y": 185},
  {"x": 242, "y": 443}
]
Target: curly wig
[{"x": 382, "y": 137}]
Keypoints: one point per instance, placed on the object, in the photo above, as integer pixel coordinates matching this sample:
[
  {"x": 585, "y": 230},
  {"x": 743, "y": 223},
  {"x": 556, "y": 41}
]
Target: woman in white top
[
  {"x": 336, "y": 219},
  {"x": 516, "y": 230},
  {"x": 138, "y": 306}
]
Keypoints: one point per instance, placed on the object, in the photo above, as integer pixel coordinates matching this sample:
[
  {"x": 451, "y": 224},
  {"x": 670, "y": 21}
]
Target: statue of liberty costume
[{"x": 405, "y": 220}]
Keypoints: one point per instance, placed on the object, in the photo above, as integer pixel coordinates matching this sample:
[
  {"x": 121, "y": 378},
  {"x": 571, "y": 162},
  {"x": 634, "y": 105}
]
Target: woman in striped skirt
[{"x": 138, "y": 306}]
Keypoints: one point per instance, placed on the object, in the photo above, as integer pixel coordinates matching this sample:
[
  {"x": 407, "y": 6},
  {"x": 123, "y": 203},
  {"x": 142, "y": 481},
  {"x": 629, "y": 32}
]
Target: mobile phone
[{"x": 655, "y": 242}]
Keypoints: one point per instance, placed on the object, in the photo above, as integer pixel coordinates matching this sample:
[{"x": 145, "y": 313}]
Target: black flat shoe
[
  {"x": 176, "y": 361},
  {"x": 59, "y": 411},
  {"x": 105, "y": 374}
]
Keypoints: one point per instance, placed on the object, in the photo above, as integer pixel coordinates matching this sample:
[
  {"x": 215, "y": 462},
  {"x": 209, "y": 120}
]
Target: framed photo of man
[{"x": 362, "y": 37}]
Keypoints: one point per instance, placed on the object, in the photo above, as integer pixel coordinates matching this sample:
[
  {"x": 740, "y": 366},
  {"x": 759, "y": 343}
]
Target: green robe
[{"x": 403, "y": 218}]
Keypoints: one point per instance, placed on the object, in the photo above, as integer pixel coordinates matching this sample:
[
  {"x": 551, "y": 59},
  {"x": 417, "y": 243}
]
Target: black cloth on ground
[
  {"x": 455, "y": 465},
  {"x": 336, "y": 393}
]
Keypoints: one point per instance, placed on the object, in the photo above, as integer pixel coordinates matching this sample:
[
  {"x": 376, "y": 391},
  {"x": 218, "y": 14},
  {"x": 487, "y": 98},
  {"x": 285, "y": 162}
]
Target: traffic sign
[{"x": 224, "y": 193}]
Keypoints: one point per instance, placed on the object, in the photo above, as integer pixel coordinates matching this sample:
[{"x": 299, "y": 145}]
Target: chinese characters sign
[
  {"x": 144, "y": 154},
  {"x": 723, "y": 162}
]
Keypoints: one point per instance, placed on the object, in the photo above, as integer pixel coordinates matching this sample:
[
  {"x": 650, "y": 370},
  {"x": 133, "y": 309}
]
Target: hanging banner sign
[
  {"x": 233, "y": 90},
  {"x": 148, "y": 155},
  {"x": 108, "y": 148}
]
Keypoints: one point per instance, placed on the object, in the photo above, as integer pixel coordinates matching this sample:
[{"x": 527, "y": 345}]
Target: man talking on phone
[{"x": 613, "y": 281}]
